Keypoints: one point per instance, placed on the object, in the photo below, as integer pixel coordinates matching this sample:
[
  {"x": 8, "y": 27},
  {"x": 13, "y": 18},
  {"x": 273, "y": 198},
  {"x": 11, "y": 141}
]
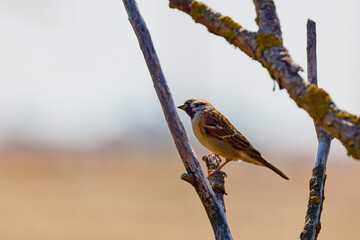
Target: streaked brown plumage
[{"x": 216, "y": 133}]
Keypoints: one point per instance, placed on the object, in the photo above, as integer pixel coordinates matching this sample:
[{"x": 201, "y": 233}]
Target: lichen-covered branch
[
  {"x": 266, "y": 46},
  {"x": 317, "y": 182},
  {"x": 194, "y": 174}
]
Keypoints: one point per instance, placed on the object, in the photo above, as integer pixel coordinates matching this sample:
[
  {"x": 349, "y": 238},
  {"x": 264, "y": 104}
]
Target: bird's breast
[{"x": 214, "y": 144}]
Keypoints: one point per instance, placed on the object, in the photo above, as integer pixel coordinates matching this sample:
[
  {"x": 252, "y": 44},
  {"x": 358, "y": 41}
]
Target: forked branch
[
  {"x": 266, "y": 46},
  {"x": 194, "y": 175}
]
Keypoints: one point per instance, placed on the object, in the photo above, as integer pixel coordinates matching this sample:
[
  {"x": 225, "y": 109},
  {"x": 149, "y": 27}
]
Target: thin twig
[
  {"x": 311, "y": 52},
  {"x": 317, "y": 182},
  {"x": 194, "y": 175},
  {"x": 266, "y": 47}
]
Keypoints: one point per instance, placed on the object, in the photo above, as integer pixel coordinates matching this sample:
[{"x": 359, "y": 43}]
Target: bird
[{"x": 215, "y": 132}]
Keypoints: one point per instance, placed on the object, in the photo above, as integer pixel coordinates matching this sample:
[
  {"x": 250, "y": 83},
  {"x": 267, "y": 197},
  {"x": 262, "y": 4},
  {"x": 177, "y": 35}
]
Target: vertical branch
[
  {"x": 194, "y": 175},
  {"x": 317, "y": 182},
  {"x": 217, "y": 181},
  {"x": 311, "y": 52},
  {"x": 267, "y": 18}
]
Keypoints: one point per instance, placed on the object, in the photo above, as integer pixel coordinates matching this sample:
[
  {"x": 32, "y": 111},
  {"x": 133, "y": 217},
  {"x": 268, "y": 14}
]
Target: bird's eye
[{"x": 198, "y": 104}]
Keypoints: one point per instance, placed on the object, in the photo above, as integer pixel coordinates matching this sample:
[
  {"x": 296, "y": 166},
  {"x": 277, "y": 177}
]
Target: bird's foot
[
  {"x": 212, "y": 172},
  {"x": 217, "y": 156}
]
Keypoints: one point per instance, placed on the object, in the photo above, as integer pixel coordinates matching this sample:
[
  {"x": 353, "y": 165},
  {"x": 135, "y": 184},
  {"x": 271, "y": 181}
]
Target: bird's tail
[
  {"x": 255, "y": 157},
  {"x": 275, "y": 169}
]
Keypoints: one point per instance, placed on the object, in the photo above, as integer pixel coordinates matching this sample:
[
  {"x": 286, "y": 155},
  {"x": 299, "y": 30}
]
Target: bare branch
[
  {"x": 213, "y": 209},
  {"x": 267, "y": 48},
  {"x": 267, "y": 19},
  {"x": 317, "y": 182},
  {"x": 311, "y": 52},
  {"x": 188, "y": 178}
]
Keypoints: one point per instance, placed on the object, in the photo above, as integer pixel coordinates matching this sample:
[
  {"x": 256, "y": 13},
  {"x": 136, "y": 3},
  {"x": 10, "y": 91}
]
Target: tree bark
[
  {"x": 194, "y": 175},
  {"x": 317, "y": 182},
  {"x": 217, "y": 181},
  {"x": 266, "y": 47}
]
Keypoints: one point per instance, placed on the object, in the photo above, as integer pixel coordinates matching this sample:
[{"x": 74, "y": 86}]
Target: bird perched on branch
[{"x": 216, "y": 133}]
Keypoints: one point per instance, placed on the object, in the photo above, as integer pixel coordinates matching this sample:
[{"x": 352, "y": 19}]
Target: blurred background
[{"x": 85, "y": 152}]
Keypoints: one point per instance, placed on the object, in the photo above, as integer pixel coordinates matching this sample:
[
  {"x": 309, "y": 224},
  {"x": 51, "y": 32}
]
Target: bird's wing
[{"x": 218, "y": 126}]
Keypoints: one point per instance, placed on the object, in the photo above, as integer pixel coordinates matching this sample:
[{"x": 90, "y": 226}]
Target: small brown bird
[{"x": 216, "y": 133}]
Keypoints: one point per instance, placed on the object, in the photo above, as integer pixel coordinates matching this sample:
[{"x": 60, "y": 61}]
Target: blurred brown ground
[{"x": 116, "y": 195}]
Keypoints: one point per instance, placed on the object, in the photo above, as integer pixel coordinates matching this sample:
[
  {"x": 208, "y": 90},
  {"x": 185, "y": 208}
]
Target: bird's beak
[{"x": 182, "y": 107}]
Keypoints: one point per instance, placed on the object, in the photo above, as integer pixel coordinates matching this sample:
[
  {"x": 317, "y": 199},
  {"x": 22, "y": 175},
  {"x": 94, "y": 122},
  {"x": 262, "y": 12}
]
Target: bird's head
[{"x": 193, "y": 106}]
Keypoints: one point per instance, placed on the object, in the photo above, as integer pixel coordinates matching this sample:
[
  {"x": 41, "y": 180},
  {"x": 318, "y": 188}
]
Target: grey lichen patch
[
  {"x": 265, "y": 41},
  {"x": 197, "y": 10}
]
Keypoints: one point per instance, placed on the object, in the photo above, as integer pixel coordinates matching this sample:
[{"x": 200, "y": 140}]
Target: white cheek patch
[
  {"x": 199, "y": 108},
  {"x": 202, "y": 108}
]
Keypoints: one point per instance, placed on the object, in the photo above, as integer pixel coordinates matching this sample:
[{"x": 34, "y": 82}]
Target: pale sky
[{"x": 72, "y": 73}]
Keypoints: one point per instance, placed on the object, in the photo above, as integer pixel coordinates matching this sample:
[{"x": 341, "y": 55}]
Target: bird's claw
[
  {"x": 217, "y": 156},
  {"x": 212, "y": 172}
]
